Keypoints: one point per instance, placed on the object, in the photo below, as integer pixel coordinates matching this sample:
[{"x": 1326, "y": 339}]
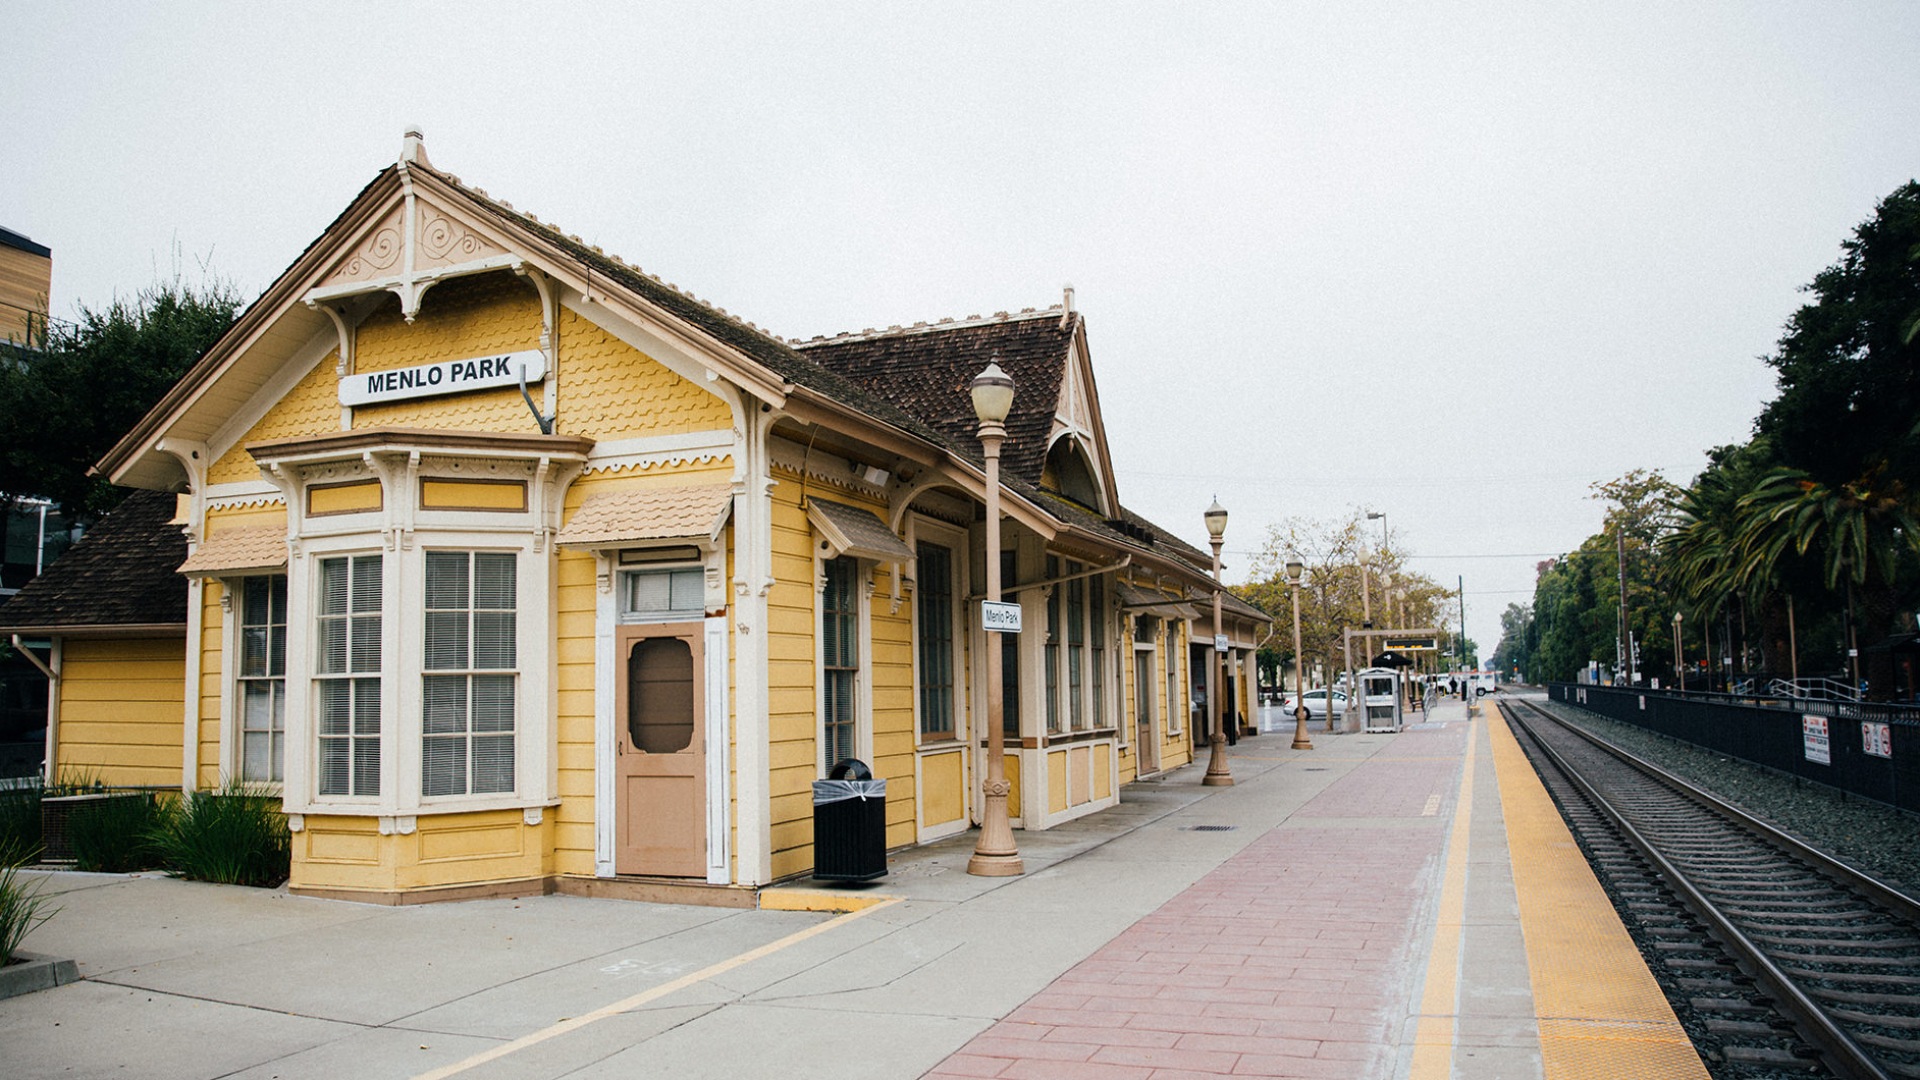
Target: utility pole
[{"x": 1626, "y": 628}]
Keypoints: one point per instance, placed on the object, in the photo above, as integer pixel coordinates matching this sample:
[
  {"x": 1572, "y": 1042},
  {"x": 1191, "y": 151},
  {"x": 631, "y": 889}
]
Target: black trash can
[{"x": 849, "y": 824}]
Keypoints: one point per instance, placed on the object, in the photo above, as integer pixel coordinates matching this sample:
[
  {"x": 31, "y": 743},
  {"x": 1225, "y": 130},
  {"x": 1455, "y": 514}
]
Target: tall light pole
[
  {"x": 994, "y": 854},
  {"x": 1366, "y": 604},
  {"x": 1296, "y": 573},
  {"x": 1217, "y": 772},
  {"x": 1679, "y": 673}
]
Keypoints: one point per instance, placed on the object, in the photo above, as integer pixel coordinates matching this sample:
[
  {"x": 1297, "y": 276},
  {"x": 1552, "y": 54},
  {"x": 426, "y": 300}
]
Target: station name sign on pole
[
  {"x": 445, "y": 377},
  {"x": 999, "y": 617}
]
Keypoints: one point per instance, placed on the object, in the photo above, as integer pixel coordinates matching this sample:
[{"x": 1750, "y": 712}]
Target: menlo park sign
[{"x": 445, "y": 377}]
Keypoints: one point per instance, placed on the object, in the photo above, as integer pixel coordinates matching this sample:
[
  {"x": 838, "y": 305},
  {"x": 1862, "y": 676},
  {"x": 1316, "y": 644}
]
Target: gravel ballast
[{"x": 1874, "y": 837}]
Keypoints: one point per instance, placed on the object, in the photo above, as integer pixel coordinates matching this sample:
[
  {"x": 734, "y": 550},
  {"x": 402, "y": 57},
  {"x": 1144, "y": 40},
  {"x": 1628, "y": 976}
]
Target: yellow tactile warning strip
[
  {"x": 1600, "y": 1013},
  {"x": 1434, "y": 1034},
  {"x": 820, "y": 900},
  {"x": 631, "y": 1003}
]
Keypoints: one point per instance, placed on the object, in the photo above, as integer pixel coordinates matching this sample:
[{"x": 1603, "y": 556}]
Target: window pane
[
  {"x": 934, "y": 592},
  {"x": 492, "y": 764},
  {"x": 256, "y": 605},
  {"x": 366, "y": 643},
  {"x": 660, "y": 676},
  {"x": 493, "y": 646},
  {"x": 688, "y": 590},
  {"x": 492, "y": 703},
  {"x": 256, "y": 760},
  {"x": 335, "y": 773},
  {"x": 366, "y": 583},
  {"x": 331, "y": 642},
  {"x": 446, "y": 644},
  {"x": 444, "y": 704},
  {"x": 253, "y": 651},
  {"x": 257, "y": 701},
  {"x": 277, "y": 608},
  {"x": 649, "y": 591},
  {"x": 446, "y": 580},
  {"x": 493, "y": 581},
  {"x": 336, "y": 708},
  {"x": 333, "y": 586},
  {"x": 366, "y": 706},
  {"x": 443, "y": 767},
  {"x": 366, "y": 766}
]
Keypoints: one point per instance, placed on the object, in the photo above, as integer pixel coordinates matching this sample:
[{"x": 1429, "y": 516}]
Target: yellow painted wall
[
  {"x": 793, "y": 704},
  {"x": 312, "y": 407},
  {"x": 461, "y": 318},
  {"x": 212, "y": 689},
  {"x": 349, "y": 854},
  {"x": 121, "y": 702},
  {"x": 610, "y": 390}
]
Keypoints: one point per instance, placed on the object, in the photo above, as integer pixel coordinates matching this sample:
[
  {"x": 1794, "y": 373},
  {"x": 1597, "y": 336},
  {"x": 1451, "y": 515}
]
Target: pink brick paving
[{"x": 1292, "y": 959}]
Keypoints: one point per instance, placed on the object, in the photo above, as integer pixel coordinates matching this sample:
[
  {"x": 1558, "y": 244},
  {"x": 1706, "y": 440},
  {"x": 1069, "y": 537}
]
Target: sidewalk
[{"x": 187, "y": 980}]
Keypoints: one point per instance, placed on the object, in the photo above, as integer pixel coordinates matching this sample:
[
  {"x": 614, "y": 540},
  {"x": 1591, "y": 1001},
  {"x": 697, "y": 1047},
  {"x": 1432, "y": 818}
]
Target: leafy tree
[
  {"x": 69, "y": 402},
  {"x": 1848, "y": 363},
  {"x": 1337, "y": 593}
]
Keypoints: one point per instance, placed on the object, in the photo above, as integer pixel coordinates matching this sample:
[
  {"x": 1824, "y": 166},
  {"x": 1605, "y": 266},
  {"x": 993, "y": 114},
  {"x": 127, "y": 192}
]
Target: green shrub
[
  {"x": 20, "y": 824},
  {"x": 76, "y": 781},
  {"x": 114, "y": 835},
  {"x": 234, "y": 836},
  {"x": 21, "y": 909}
]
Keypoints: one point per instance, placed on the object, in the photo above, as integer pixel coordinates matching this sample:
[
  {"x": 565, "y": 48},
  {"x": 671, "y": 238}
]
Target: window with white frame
[
  {"x": 933, "y": 601},
  {"x": 663, "y": 594},
  {"x": 1076, "y": 651},
  {"x": 261, "y": 678},
  {"x": 1174, "y": 654},
  {"x": 839, "y": 660},
  {"x": 470, "y": 673},
  {"x": 346, "y": 675}
]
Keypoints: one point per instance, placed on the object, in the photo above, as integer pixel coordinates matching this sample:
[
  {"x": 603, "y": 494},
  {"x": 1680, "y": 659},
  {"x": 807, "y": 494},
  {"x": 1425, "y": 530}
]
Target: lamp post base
[
  {"x": 1301, "y": 740},
  {"x": 994, "y": 854},
  {"x": 1217, "y": 773}
]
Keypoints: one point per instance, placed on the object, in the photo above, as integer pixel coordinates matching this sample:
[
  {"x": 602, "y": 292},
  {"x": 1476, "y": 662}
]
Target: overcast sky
[{"x": 1453, "y": 262}]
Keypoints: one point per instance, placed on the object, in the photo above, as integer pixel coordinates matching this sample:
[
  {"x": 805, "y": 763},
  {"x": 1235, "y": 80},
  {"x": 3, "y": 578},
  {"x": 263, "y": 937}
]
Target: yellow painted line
[
  {"x": 821, "y": 900},
  {"x": 575, "y": 1023},
  {"x": 1439, "y": 1011},
  {"x": 1601, "y": 1014}
]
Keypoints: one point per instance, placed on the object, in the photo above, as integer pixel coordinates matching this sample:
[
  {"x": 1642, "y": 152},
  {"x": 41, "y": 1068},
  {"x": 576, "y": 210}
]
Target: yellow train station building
[{"x": 514, "y": 568}]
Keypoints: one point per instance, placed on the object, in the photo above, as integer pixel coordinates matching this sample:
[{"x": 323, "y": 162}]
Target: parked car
[{"x": 1316, "y": 703}]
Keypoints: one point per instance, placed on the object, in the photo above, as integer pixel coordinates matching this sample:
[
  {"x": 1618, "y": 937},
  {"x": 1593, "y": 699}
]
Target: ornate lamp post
[
  {"x": 1217, "y": 772},
  {"x": 994, "y": 854},
  {"x": 1296, "y": 577}
]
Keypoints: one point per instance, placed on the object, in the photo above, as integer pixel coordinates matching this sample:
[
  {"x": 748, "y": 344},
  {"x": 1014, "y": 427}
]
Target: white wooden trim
[
  {"x": 605, "y": 622},
  {"x": 717, "y": 740}
]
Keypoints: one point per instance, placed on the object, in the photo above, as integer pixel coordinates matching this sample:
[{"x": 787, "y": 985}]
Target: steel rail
[{"x": 1844, "y": 1055}]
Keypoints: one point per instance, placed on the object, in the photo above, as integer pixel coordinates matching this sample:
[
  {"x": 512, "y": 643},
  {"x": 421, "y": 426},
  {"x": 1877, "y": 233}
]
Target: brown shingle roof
[
  {"x": 120, "y": 574},
  {"x": 649, "y": 513},
  {"x": 928, "y": 370}
]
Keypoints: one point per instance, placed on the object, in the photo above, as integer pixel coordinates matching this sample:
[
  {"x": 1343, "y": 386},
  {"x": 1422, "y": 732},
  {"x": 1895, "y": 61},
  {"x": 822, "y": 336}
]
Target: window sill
[{"x": 406, "y": 821}]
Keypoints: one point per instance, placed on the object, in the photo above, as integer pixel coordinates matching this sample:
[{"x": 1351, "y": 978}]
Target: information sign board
[
  {"x": 999, "y": 617},
  {"x": 1876, "y": 738},
  {"x": 1813, "y": 730},
  {"x": 1219, "y": 643}
]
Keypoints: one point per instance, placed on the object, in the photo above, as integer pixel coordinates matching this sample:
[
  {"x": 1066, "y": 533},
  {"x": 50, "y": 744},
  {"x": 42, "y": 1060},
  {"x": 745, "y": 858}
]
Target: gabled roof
[
  {"x": 120, "y": 577},
  {"x": 928, "y": 370}
]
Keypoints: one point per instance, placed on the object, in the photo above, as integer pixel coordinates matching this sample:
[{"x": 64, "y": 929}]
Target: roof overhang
[
  {"x": 852, "y": 530},
  {"x": 608, "y": 519}
]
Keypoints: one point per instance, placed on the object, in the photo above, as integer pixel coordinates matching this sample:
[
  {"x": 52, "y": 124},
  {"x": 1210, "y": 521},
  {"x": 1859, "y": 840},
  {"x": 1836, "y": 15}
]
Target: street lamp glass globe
[
  {"x": 1216, "y": 520},
  {"x": 1295, "y": 570},
  {"x": 992, "y": 394}
]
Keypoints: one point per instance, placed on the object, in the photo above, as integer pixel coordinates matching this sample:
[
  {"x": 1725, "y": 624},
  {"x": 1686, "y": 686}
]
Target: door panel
[{"x": 660, "y": 764}]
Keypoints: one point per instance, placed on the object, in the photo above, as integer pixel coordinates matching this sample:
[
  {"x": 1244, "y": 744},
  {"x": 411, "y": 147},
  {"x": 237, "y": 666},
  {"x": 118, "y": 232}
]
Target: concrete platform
[{"x": 1350, "y": 911}]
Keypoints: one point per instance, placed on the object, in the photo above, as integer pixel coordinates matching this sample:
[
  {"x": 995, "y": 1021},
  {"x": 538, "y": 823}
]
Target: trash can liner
[{"x": 833, "y": 791}]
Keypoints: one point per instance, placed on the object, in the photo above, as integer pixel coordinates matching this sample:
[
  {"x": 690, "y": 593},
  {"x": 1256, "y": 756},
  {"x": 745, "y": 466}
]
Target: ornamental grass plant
[
  {"x": 20, "y": 823},
  {"x": 234, "y": 836},
  {"x": 22, "y": 908},
  {"x": 114, "y": 835}
]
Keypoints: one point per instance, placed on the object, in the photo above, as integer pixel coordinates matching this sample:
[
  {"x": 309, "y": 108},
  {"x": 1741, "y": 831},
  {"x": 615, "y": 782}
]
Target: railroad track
[{"x": 1785, "y": 959}]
